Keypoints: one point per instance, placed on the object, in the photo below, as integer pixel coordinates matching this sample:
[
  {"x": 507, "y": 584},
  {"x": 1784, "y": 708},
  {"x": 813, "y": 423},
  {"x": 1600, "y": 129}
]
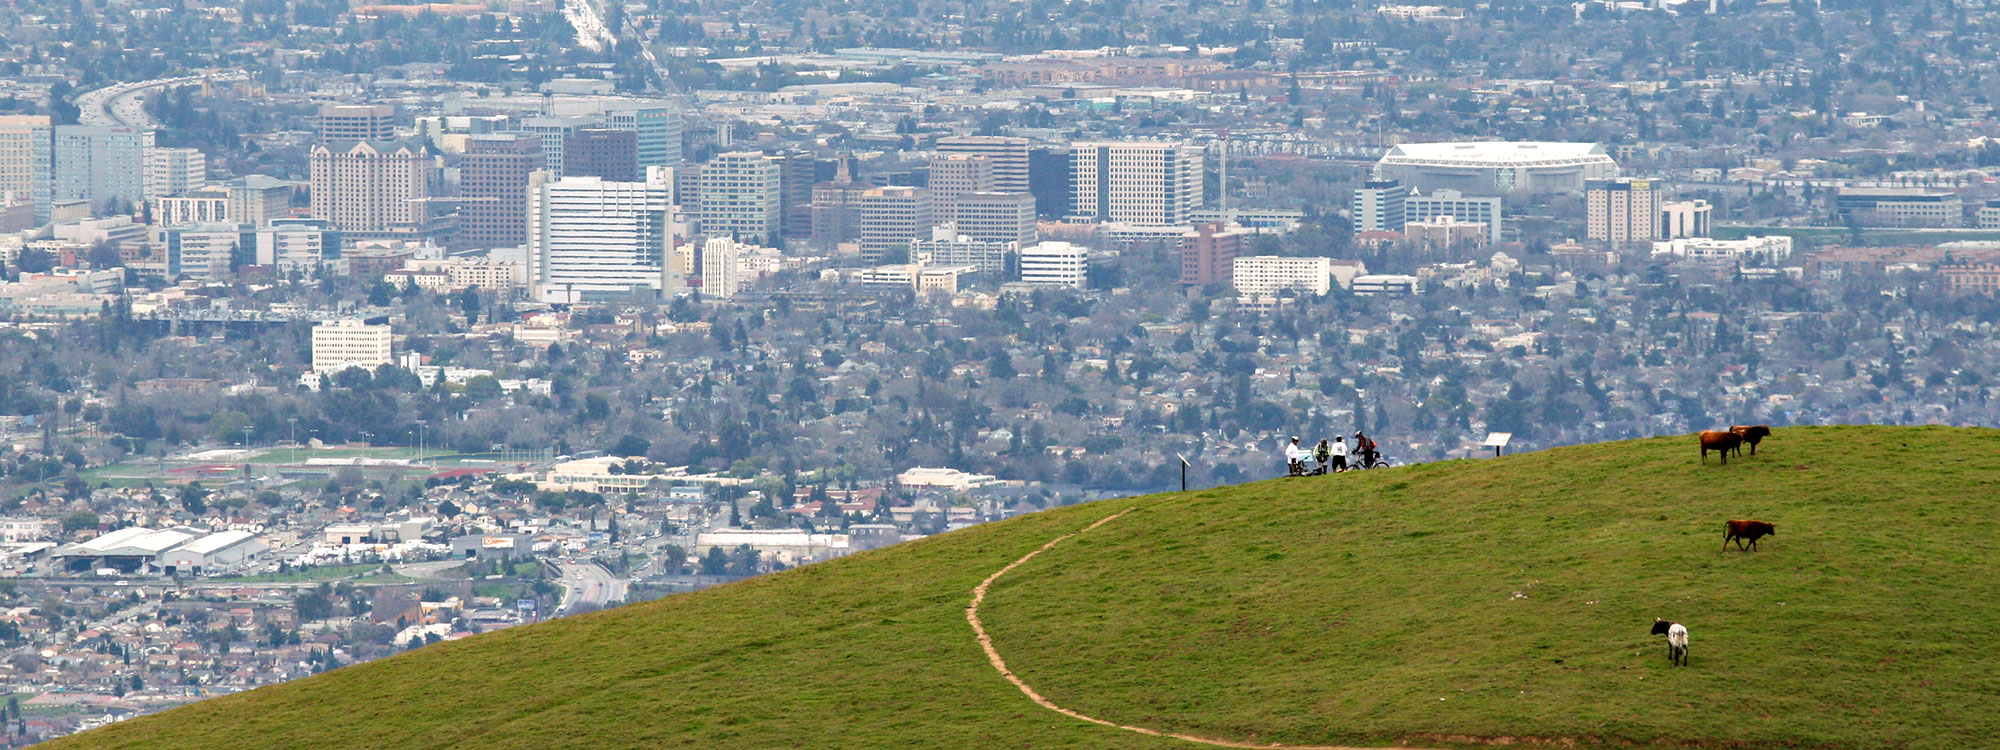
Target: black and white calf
[{"x": 1677, "y": 640}]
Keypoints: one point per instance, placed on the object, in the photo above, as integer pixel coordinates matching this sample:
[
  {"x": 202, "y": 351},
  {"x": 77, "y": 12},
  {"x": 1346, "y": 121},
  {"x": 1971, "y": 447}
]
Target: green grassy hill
[{"x": 1436, "y": 605}]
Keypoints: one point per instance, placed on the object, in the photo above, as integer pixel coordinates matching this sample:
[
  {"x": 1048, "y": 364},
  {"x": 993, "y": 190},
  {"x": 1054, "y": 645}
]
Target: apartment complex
[
  {"x": 1258, "y": 275},
  {"x": 1623, "y": 212},
  {"x": 956, "y": 175}
]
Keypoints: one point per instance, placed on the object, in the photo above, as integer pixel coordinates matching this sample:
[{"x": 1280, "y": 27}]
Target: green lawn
[{"x": 1425, "y": 605}]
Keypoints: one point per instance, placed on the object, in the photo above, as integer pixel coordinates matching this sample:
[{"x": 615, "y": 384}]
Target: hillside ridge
[{"x": 1448, "y": 604}]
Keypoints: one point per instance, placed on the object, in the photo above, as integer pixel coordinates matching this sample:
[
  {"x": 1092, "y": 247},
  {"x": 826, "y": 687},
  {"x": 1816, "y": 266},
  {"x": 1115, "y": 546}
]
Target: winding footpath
[{"x": 1000, "y": 664}]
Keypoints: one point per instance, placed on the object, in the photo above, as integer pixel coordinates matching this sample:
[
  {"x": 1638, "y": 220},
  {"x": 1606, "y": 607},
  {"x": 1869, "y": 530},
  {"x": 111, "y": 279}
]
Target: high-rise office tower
[
  {"x": 1136, "y": 182},
  {"x": 258, "y": 200},
  {"x": 174, "y": 171},
  {"x": 1208, "y": 254},
  {"x": 99, "y": 164},
  {"x": 591, "y": 239},
  {"x": 356, "y": 122},
  {"x": 795, "y": 194},
  {"x": 493, "y": 188},
  {"x": 721, "y": 268},
  {"x": 658, "y": 125},
  {"x": 609, "y": 153},
  {"x": 1008, "y": 155},
  {"x": 1378, "y": 206},
  {"x": 836, "y": 208},
  {"x": 555, "y": 133},
  {"x": 997, "y": 217},
  {"x": 953, "y": 175},
  {"x": 742, "y": 197},
  {"x": 1051, "y": 181},
  {"x": 893, "y": 216},
  {"x": 25, "y": 161},
  {"x": 370, "y": 186}
]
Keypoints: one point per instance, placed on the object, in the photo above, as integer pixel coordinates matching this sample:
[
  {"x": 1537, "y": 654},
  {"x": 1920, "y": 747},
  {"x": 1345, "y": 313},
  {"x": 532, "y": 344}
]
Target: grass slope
[{"x": 1431, "y": 604}]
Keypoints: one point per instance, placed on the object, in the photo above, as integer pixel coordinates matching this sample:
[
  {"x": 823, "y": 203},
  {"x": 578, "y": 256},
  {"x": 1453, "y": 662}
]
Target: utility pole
[{"x": 1184, "y": 468}]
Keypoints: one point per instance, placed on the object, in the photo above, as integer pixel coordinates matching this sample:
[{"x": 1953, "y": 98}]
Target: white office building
[
  {"x": 591, "y": 239},
  {"x": 1378, "y": 206},
  {"x": 297, "y": 246},
  {"x": 721, "y": 268},
  {"x": 1008, "y": 156},
  {"x": 99, "y": 164},
  {"x": 1753, "y": 250},
  {"x": 955, "y": 175},
  {"x": 1428, "y": 209},
  {"x": 1389, "y": 284},
  {"x": 175, "y": 171},
  {"x": 986, "y": 258},
  {"x": 892, "y": 216},
  {"x": 1055, "y": 264},
  {"x": 741, "y": 196},
  {"x": 203, "y": 206},
  {"x": 340, "y": 344},
  {"x": 207, "y": 251},
  {"x": 1690, "y": 218},
  {"x": 1258, "y": 275},
  {"x": 1141, "y": 183}
]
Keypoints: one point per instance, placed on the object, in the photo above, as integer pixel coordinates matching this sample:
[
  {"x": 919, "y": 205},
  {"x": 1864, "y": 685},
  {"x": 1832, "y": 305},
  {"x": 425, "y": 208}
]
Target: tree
[
  {"x": 192, "y": 498},
  {"x": 79, "y": 521},
  {"x": 482, "y": 387},
  {"x": 35, "y": 260},
  {"x": 715, "y": 563},
  {"x": 631, "y": 445}
]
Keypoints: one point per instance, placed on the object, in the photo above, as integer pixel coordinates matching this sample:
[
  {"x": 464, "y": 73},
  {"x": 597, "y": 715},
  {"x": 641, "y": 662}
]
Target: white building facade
[{"x": 590, "y": 239}]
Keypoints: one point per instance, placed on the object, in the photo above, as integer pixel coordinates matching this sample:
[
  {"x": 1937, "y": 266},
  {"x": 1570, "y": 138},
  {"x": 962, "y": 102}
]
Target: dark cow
[
  {"x": 1750, "y": 530},
  {"x": 1720, "y": 442},
  {"x": 1751, "y": 434}
]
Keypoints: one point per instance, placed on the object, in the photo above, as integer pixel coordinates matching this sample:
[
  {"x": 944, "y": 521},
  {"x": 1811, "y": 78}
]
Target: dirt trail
[{"x": 999, "y": 664}]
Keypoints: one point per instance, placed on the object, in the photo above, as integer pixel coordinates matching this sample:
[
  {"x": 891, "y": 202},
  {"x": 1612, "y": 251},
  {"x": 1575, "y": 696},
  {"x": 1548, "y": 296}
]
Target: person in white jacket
[
  {"x": 1295, "y": 458},
  {"x": 1339, "y": 453}
]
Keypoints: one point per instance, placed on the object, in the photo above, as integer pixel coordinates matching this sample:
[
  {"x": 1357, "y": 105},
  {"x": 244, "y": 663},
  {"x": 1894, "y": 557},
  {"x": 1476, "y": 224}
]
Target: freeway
[
  {"x": 588, "y": 583},
  {"x": 120, "y": 104}
]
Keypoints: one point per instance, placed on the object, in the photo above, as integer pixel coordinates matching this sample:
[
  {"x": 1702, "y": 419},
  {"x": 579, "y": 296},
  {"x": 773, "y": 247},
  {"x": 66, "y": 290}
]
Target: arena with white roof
[{"x": 1497, "y": 167}]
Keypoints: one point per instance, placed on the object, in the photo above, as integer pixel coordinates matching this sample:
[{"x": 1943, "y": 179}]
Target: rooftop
[{"x": 1497, "y": 153}]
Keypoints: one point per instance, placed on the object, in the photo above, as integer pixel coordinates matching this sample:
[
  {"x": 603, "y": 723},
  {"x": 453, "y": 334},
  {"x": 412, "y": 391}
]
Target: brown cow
[
  {"x": 1751, "y": 530},
  {"x": 1721, "y": 442},
  {"x": 1752, "y": 434}
]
